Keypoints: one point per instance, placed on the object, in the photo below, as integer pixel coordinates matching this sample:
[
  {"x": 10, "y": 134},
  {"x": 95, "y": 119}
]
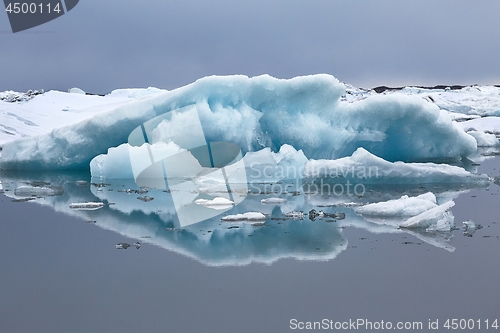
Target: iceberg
[
  {"x": 216, "y": 203},
  {"x": 86, "y": 205},
  {"x": 253, "y": 113}
]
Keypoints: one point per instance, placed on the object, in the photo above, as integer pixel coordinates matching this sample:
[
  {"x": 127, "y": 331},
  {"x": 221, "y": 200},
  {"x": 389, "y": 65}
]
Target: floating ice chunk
[
  {"x": 485, "y": 139},
  {"x": 122, "y": 246},
  {"x": 145, "y": 198},
  {"x": 273, "y": 201},
  {"x": 436, "y": 219},
  {"x": 76, "y": 91},
  {"x": 470, "y": 228},
  {"x": 245, "y": 217},
  {"x": 295, "y": 215},
  {"x": 364, "y": 167},
  {"x": 137, "y": 245},
  {"x": 38, "y": 191},
  {"x": 403, "y": 207},
  {"x": 216, "y": 203},
  {"x": 86, "y": 205}
]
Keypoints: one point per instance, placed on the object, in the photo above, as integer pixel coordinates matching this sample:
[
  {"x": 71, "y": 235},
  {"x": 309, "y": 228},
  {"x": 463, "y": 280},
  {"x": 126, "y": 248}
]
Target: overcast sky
[{"x": 103, "y": 45}]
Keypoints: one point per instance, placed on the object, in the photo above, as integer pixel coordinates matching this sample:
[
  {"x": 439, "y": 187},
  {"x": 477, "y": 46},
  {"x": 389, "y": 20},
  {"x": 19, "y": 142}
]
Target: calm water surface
[{"x": 62, "y": 273}]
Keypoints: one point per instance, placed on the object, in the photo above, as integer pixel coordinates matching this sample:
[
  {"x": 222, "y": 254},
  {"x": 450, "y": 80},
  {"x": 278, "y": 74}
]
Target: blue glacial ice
[{"x": 256, "y": 113}]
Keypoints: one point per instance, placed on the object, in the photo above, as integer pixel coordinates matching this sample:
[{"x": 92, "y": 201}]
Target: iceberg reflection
[{"x": 298, "y": 225}]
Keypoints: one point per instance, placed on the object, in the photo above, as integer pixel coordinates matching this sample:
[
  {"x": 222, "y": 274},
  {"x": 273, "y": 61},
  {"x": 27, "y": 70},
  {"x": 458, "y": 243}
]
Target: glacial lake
[{"x": 61, "y": 270}]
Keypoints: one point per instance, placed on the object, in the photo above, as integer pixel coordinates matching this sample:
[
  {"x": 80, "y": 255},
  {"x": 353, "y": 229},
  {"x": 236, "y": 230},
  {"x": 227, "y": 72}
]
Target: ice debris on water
[
  {"x": 215, "y": 203},
  {"x": 38, "y": 191},
  {"x": 122, "y": 246},
  {"x": 438, "y": 218},
  {"x": 403, "y": 207},
  {"x": 245, "y": 217},
  {"x": 139, "y": 191},
  {"x": 273, "y": 201},
  {"x": 86, "y": 205},
  {"x": 313, "y": 214},
  {"x": 295, "y": 215},
  {"x": 470, "y": 228},
  {"x": 146, "y": 198}
]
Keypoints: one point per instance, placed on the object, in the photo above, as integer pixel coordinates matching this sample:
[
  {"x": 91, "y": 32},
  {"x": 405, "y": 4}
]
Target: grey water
[{"x": 61, "y": 270}]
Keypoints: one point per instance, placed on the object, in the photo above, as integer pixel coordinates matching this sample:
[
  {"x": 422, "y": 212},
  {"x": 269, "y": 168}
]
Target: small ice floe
[
  {"x": 321, "y": 214},
  {"x": 295, "y": 215},
  {"x": 215, "y": 203},
  {"x": 137, "y": 245},
  {"x": 435, "y": 219},
  {"x": 251, "y": 217},
  {"x": 273, "y": 201},
  {"x": 401, "y": 208},
  {"x": 82, "y": 182},
  {"x": 38, "y": 191},
  {"x": 122, "y": 246},
  {"x": 86, "y": 205},
  {"x": 470, "y": 228},
  {"x": 23, "y": 199},
  {"x": 139, "y": 191},
  {"x": 146, "y": 198}
]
